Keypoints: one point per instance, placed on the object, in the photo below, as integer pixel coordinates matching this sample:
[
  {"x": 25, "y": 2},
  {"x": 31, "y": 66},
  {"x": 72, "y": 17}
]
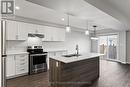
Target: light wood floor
[{"x": 112, "y": 74}]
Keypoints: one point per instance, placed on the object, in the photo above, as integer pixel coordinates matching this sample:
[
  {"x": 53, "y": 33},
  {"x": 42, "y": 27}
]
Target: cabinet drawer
[
  {"x": 21, "y": 69},
  {"x": 19, "y": 57},
  {"x": 22, "y": 66},
  {"x": 21, "y": 60},
  {"x": 18, "y": 64}
]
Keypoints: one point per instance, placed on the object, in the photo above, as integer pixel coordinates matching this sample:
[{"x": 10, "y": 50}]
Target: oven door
[{"x": 37, "y": 63}]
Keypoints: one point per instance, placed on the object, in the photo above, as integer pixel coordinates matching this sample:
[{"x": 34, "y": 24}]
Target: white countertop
[
  {"x": 74, "y": 59},
  {"x": 16, "y": 53},
  {"x": 54, "y": 50}
]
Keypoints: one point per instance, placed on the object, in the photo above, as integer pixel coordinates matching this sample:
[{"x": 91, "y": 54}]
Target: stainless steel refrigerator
[{"x": 3, "y": 53}]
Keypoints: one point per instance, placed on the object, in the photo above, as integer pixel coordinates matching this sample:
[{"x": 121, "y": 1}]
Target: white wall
[
  {"x": 122, "y": 47},
  {"x": 72, "y": 39},
  {"x": 128, "y": 46}
]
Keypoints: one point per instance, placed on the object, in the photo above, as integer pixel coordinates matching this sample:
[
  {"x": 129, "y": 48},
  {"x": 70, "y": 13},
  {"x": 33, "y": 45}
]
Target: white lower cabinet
[
  {"x": 21, "y": 65},
  {"x": 10, "y": 66},
  {"x": 16, "y": 65}
]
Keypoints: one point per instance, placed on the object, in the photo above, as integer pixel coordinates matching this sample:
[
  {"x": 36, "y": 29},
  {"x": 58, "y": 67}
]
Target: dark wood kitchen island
[{"x": 73, "y": 71}]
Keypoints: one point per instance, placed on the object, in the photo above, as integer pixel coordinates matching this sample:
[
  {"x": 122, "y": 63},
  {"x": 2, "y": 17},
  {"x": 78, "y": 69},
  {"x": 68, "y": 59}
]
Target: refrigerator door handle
[
  {"x": 3, "y": 46},
  {"x": 4, "y": 55}
]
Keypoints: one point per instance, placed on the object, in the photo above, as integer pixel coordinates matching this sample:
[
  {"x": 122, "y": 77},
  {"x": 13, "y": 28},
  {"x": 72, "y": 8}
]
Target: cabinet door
[
  {"x": 58, "y": 34},
  {"x": 21, "y": 64},
  {"x": 48, "y": 34},
  {"x": 41, "y": 29},
  {"x": 61, "y": 35},
  {"x": 22, "y": 31},
  {"x": 11, "y": 30},
  {"x": 10, "y": 66},
  {"x": 54, "y": 34},
  {"x": 31, "y": 28}
]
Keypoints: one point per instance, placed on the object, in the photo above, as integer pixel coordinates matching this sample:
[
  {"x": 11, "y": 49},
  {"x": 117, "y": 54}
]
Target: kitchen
[{"x": 41, "y": 34}]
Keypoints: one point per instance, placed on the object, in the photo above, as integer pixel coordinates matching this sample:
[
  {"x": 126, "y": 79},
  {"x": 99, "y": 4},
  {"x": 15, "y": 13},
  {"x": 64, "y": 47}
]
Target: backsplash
[
  {"x": 22, "y": 45},
  {"x": 34, "y": 41},
  {"x": 69, "y": 44},
  {"x": 16, "y": 46}
]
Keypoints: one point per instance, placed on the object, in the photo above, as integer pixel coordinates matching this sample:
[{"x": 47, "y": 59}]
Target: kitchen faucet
[{"x": 77, "y": 49}]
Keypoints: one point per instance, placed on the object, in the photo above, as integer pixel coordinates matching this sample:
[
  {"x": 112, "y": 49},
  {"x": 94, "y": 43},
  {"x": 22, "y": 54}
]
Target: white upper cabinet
[
  {"x": 48, "y": 34},
  {"x": 59, "y": 34},
  {"x": 40, "y": 29},
  {"x": 16, "y": 30},
  {"x": 54, "y": 34},
  {"x": 20, "y": 30},
  {"x": 31, "y": 28},
  {"x": 11, "y": 30}
]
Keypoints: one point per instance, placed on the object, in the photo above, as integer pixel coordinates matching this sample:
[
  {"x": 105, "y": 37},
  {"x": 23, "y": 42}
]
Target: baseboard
[
  {"x": 122, "y": 62},
  {"x": 127, "y": 62},
  {"x": 117, "y": 61},
  {"x": 15, "y": 76}
]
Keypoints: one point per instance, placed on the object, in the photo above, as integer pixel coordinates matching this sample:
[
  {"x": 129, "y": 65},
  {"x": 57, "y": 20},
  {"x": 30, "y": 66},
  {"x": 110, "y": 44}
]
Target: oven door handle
[{"x": 38, "y": 54}]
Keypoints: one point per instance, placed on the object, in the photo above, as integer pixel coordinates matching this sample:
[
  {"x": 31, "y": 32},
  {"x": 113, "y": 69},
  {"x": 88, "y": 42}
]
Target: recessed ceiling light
[
  {"x": 17, "y": 7},
  {"x": 62, "y": 19}
]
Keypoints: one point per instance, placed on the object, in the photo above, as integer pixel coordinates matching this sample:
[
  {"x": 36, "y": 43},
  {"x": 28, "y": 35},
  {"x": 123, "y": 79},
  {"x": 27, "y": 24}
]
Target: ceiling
[
  {"x": 118, "y": 9},
  {"x": 80, "y": 11}
]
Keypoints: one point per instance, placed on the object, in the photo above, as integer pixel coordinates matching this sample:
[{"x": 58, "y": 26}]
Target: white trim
[
  {"x": 122, "y": 62},
  {"x": 127, "y": 62}
]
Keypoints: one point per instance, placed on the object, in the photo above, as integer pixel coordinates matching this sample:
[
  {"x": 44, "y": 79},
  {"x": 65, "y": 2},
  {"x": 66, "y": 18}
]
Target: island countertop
[{"x": 76, "y": 58}]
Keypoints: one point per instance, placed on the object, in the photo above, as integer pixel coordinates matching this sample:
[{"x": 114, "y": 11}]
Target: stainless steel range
[{"x": 37, "y": 59}]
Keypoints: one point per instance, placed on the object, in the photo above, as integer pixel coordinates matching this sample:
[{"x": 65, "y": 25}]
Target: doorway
[{"x": 108, "y": 46}]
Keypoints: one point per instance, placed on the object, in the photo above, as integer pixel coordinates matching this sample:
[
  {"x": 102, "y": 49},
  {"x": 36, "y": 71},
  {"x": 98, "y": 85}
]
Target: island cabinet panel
[{"x": 75, "y": 74}]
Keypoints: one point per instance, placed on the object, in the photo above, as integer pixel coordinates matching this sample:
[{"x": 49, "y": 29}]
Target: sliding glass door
[{"x": 108, "y": 46}]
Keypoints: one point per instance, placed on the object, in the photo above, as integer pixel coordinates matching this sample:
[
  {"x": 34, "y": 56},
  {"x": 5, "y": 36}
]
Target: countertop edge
[
  {"x": 76, "y": 60},
  {"x": 17, "y": 53}
]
